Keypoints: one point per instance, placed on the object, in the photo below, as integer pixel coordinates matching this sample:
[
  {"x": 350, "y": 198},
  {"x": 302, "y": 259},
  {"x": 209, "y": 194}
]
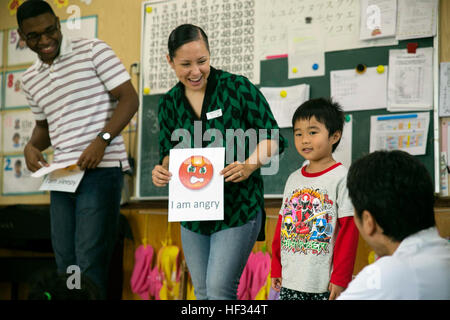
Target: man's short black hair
[
  {"x": 31, "y": 9},
  {"x": 396, "y": 188},
  {"x": 325, "y": 111}
]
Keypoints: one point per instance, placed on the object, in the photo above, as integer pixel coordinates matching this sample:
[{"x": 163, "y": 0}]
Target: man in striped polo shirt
[{"x": 82, "y": 98}]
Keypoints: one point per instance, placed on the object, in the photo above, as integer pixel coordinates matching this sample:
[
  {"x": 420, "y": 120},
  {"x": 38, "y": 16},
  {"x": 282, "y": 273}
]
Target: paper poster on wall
[
  {"x": 17, "y": 129},
  {"x": 407, "y": 132},
  {"x": 1, "y": 48},
  {"x": 306, "y": 51},
  {"x": 444, "y": 90},
  {"x": 410, "y": 80},
  {"x": 340, "y": 20},
  {"x": 17, "y": 178},
  {"x": 14, "y": 96},
  {"x": 378, "y": 19},
  {"x": 18, "y": 51},
  {"x": 196, "y": 186},
  {"x": 343, "y": 152},
  {"x": 283, "y": 102},
  {"x": 83, "y": 27},
  {"x": 2, "y": 84},
  {"x": 230, "y": 27},
  {"x": 416, "y": 19},
  {"x": 356, "y": 92}
]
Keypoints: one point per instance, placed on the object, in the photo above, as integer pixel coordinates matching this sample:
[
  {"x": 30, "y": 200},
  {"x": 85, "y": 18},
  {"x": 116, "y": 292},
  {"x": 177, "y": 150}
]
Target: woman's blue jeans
[
  {"x": 216, "y": 262},
  {"x": 84, "y": 224}
]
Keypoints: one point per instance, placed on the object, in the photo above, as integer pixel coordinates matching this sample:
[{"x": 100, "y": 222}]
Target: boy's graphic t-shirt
[{"x": 312, "y": 203}]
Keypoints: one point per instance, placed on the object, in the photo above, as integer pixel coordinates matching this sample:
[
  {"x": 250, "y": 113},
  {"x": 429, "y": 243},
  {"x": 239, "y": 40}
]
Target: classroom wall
[{"x": 119, "y": 24}]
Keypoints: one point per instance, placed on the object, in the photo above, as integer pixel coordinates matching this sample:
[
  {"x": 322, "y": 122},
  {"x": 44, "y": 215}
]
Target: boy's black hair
[
  {"x": 396, "y": 188},
  {"x": 325, "y": 111},
  {"x": 31, "y": 9},
  {"x": 183, "y": 34}
]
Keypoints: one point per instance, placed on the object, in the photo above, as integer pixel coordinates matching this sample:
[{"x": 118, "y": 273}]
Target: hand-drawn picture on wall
[
  {"x": 17, "y": 178},
  {"x": 18, "y": 51},
  {"x": 14, "y": 96},
  {"x": 1, "y": 50},
  {"x": 17, "y": 128}
]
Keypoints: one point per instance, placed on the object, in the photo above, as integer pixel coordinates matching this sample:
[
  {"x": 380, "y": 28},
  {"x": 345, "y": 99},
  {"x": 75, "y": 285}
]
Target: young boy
[{"x": 315, "y": 242}]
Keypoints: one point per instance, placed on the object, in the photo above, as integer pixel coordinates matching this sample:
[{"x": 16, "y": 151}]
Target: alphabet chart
[{"x": 229, "y": 25}]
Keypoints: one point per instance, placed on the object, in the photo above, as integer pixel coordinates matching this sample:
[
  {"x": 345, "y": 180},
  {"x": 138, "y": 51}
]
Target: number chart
[{"x": 229, "y": 25}]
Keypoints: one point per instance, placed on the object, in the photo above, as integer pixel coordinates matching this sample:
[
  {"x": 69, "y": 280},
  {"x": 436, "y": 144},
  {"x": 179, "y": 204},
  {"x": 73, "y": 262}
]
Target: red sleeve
[
  {"x": 276, "y": 256},
  {"x": 344, "y": 252}
]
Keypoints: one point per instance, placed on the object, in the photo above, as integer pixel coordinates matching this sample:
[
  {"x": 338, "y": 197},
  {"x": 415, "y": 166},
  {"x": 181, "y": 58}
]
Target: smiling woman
[{"x": 205, "y": 100}]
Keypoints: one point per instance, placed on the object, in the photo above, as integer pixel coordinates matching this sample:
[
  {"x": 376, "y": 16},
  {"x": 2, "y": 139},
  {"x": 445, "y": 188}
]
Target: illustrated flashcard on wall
[
  {"x": 17, "y": 129},
  {"x": 1, "y": 90},
  {"x": 14, "y": 96},
  {"x": 1, "y": 48},
  {"x": 17, "y": 178},
  {"x": 18, "y": 51},
  {"x": 79, "y": 27},
  {"x": 196, "y": 186}
]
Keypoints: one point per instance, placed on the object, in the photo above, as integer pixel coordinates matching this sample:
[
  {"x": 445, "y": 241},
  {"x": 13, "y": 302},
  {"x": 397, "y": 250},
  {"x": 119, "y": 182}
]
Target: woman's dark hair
[
  {"x": 183, "y": 34},
  {"x": 396, "y": 188},
  {"x": 31, "y": 9},
  {"x": 325, "y": 111}
]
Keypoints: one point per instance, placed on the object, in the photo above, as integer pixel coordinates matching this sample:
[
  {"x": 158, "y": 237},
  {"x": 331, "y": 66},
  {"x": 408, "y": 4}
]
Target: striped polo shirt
[{"x": 73, "y": 96}]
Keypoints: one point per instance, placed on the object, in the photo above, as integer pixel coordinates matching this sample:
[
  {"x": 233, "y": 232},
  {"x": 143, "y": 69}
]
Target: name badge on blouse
[{"x": 214, "y": 114}]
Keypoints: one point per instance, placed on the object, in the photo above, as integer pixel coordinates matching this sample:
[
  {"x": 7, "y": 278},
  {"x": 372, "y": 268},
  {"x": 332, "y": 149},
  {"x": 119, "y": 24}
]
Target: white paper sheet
[
  {"x": 410, "y": 82},
  {"x": 284, "y": 101},
  {"x": 444, "y": 90},
  {"x": 378, "y": 19},
  {"x": 357, "y": 92},
  {"x": 343, "y": 152},
  {"x": 407, "y": 132},
  {"x": 416, "y": 19},
  {"x": 52, "y": 167},
  {"x": 196, "y": 186},
  {"x": 65, "y": 179},
  {"x": 306, "y": 51}
]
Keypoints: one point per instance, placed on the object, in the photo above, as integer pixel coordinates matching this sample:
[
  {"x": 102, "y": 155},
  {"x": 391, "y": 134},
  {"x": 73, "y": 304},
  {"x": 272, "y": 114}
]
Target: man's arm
[
  {"x": 125, "y": 110},
  {"x": 39, "y": 141}
]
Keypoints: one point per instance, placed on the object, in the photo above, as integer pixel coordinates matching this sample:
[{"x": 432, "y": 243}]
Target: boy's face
[
  {"x": 42, "y": 35},
  {"x": 312, "y": 139}
]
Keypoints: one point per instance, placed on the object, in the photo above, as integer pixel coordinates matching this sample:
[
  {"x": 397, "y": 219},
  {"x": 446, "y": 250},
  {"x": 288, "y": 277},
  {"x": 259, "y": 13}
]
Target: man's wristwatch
[{"x": 105, "y": 136}]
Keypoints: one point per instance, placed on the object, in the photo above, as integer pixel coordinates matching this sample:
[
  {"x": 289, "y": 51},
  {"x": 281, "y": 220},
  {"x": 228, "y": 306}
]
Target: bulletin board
[{"x": 274, "y": 73}]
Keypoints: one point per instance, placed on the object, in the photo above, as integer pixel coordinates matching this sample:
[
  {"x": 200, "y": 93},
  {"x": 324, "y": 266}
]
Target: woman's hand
[
  {"x": 237, "y": 171},
  {"x": 160, "y": 176}
]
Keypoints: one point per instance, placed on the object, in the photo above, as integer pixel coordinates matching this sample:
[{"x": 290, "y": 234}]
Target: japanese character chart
[
  {"x": 17, "y": 129},
  {"x": 17, "y": 178},
  {"x": 229, "y": 25},
  {"x": 14, "y": 96}
]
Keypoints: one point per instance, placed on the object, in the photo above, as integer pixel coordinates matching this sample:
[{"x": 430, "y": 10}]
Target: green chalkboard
[{"x": 274, "y": 73}]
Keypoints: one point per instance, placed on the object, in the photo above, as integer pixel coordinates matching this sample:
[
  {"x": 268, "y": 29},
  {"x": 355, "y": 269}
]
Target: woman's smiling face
[{"x": 191, "y": 65}]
